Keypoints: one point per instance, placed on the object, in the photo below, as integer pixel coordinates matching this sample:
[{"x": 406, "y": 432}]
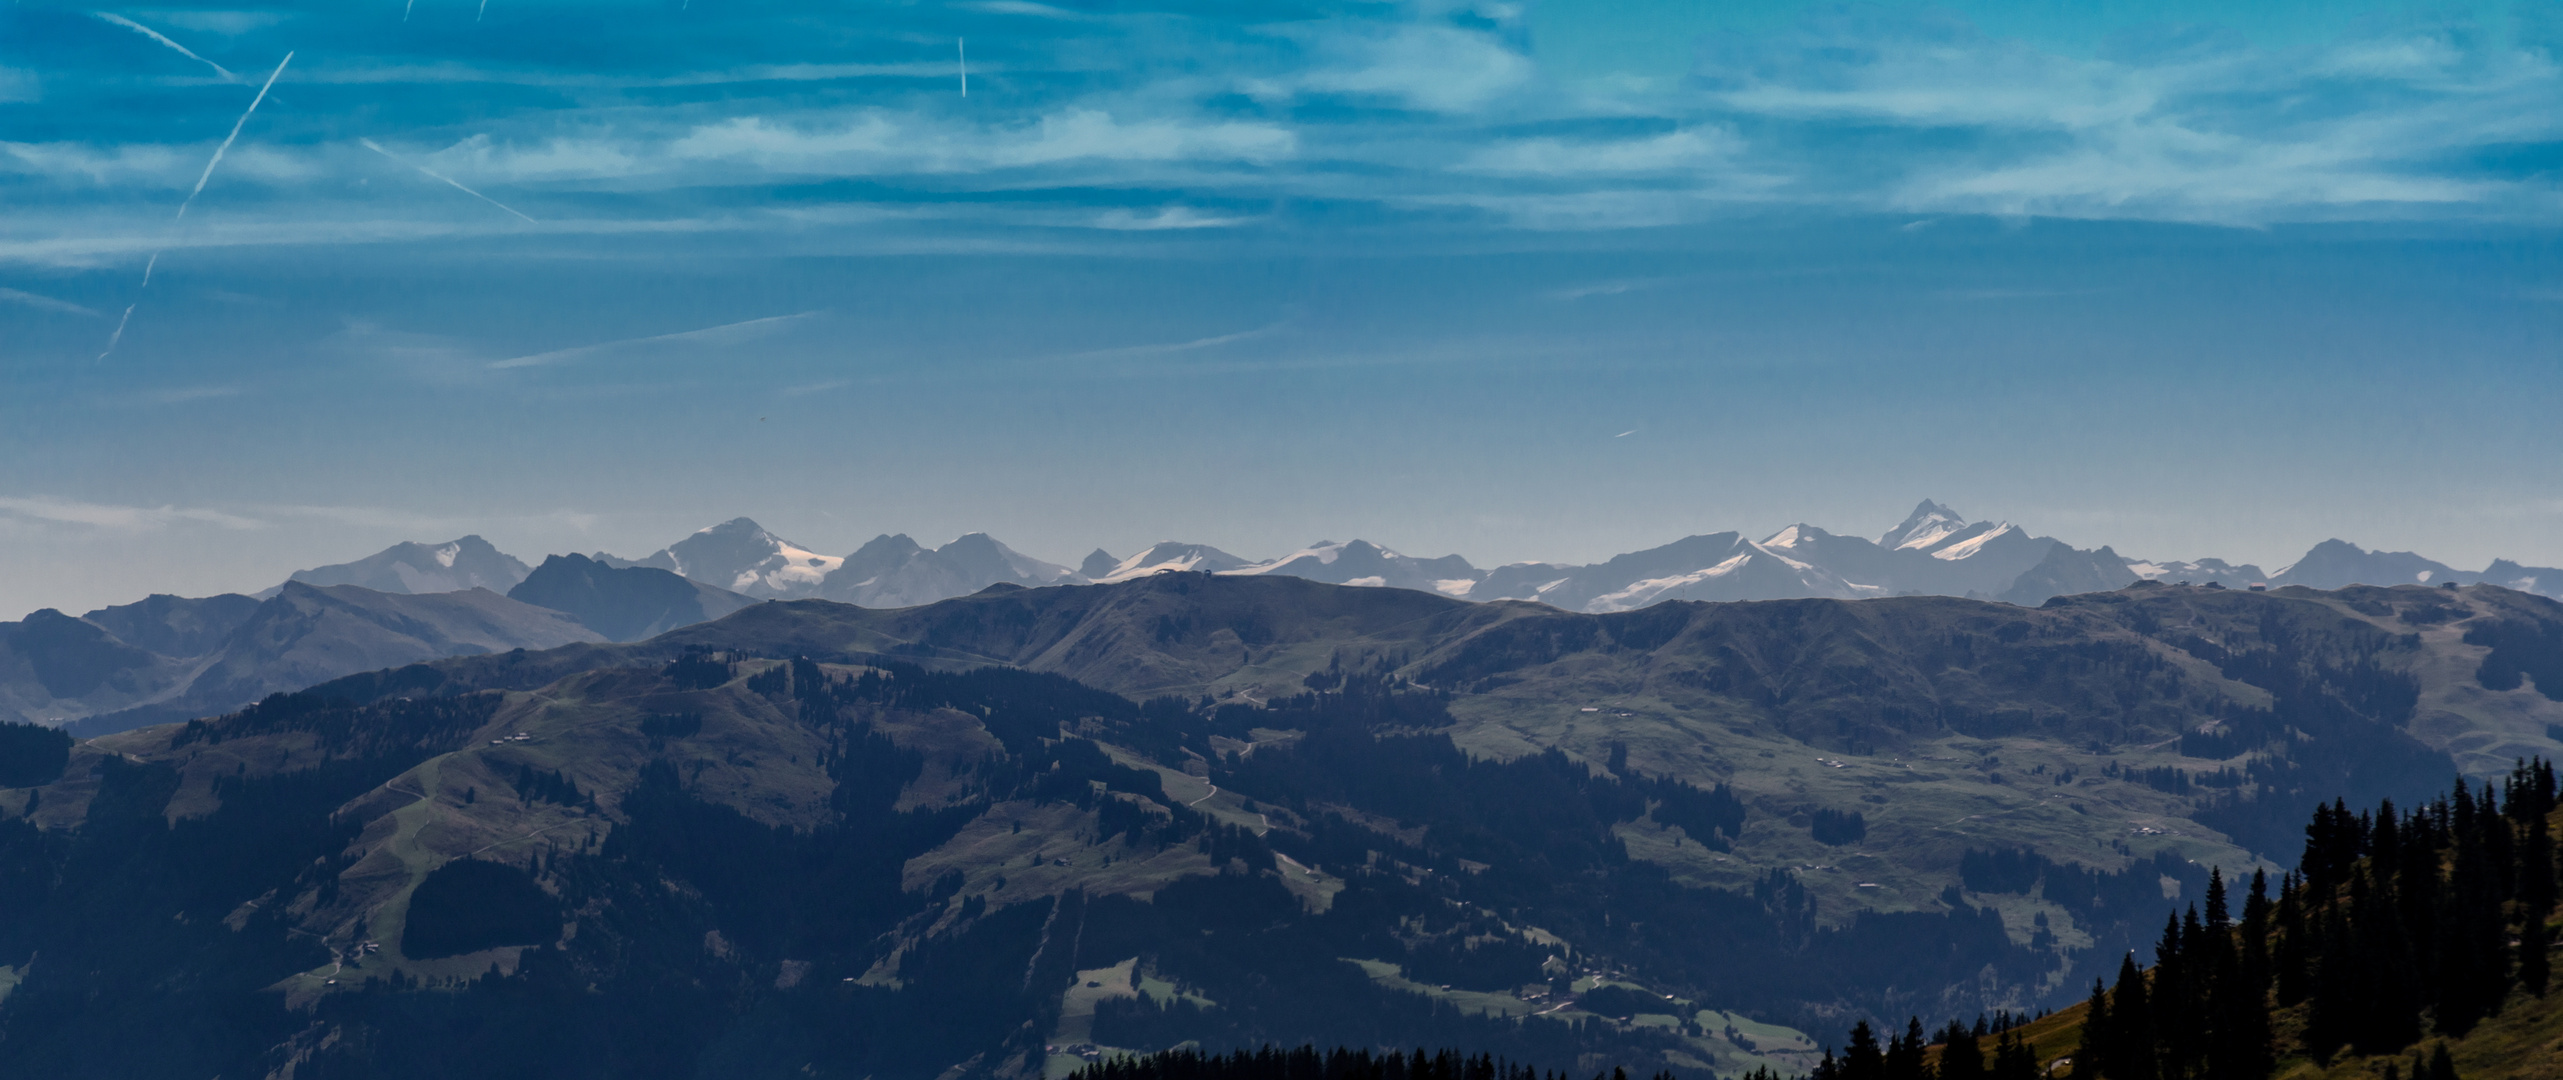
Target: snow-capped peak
[
  {"x": 1789, "y": 537},
  {"x": 1929, "y": 523},
  {"x": 1173, "y": 555},
  {"x": 739, "y": 555}
]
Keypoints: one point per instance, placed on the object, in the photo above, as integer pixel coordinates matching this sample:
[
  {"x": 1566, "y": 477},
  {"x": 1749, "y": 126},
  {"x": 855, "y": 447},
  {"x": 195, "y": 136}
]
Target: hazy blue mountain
[
  {"x": 739, "y": 556},
  {"x": 308, "y": 634},
  {"x": 1162, "y": 557},
  {"x": 467, "y": 563},
  {"x": 175, "y": 625},
  {"x": 2541, "y": 580},
  {"x": 1575, "y": 587},
  {"x": 896, "y": 571},
  {"x": 2066, "y": 572},
  {"x": 623, "y": 603},
  {"x": 2199, "y": 572},
  {"x": 1935, "y": 551},
  {"x": 2335, "y": 563},
  {"x": 1361, "y": 562},
  {"x": 169, "y": 658}
]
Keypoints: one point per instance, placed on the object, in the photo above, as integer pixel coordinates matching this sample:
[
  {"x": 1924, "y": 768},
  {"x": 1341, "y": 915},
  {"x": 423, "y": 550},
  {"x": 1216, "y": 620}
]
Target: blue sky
[{"x": 1547, "y": 280}]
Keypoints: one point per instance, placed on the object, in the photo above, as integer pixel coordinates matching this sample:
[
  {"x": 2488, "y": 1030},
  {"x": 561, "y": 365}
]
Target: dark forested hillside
[
  {"x": 1330, "y": 868},
  {"x": 1016, "y": 832}
]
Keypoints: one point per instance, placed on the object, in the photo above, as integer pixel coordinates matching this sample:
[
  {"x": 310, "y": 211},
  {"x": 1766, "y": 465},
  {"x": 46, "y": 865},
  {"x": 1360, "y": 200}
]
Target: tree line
[{"x": 2396, "y": 926}]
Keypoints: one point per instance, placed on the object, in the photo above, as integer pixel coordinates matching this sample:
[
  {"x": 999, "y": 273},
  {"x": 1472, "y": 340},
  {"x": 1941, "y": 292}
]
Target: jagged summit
[{"x": 1929, "y": 524}]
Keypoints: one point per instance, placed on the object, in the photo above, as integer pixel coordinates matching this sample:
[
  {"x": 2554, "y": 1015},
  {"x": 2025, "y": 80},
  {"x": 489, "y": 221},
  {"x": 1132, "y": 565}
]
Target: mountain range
[
  {"x": 168, "y": 657},
  {"x": 1935, "y": 551}
]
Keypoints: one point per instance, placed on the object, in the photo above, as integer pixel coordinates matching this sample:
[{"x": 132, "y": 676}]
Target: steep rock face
[
  {"x": 466, "y": 563},
  {"x": 623, "y": 604}
]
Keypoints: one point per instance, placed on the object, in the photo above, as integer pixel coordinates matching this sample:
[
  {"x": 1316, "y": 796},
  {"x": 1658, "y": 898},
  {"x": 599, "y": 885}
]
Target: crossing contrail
[
  {"x": 236, "y": 125},
  {"x": 156, "y": 35},
  {"x": 456, "y": 184}
]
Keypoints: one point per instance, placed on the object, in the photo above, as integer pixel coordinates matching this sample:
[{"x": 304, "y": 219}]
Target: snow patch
[{"x": 1973, "y": 544}]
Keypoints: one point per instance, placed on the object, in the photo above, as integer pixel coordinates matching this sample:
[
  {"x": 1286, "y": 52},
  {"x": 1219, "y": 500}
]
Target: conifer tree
[
  {"x": 2442, "y": 1065},
  {"x": 1904, "y": 1059},
  {"x": 2099, "y": 1030},
  {"x": 2130, "y": 1053},
  {"x": 2536, "y": 887},
  {"x": 1861, "y": 1058},
  {"x": 2013, "y": 1059},
  {"x": 1962, "y": 1055}
]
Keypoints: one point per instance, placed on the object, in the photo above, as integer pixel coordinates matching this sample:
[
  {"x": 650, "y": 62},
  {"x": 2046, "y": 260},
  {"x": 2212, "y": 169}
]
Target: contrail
[
  {"x": 404, "y": 10},
  {"x": 236, "y": 125},
  {"x": 199, "y": 189},
  {"x": 476, "y": 17},
  {"x": 121, "y": 320},
  {"x": 961, "y": 48},
  {"x": 456, "y": 184},
  {"x": 156, "y": 35},
  {"x": 726, "y": 331}
]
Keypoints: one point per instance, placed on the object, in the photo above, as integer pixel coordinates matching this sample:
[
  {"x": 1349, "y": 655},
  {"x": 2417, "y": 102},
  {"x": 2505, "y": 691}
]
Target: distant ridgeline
[
  {"x": 2399, "y": 927},
  {"x": 584, "y": 895},
  {"x": 1308, "y": 1063}
]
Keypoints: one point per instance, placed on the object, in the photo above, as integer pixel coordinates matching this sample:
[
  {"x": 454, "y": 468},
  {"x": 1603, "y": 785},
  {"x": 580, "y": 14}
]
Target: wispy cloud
[
  {"x": 1415, "y": 113},
  {"x": 183, "y": 394},
  {"x": 724, "y": 334},
  {"x": 1174, "y": 347},
  {"x": 1429, "y": 67},
  {"x": 44, "y": 303},
  {"x": 1164, "y": 217},
  {"x": 119, "y": 518}
]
